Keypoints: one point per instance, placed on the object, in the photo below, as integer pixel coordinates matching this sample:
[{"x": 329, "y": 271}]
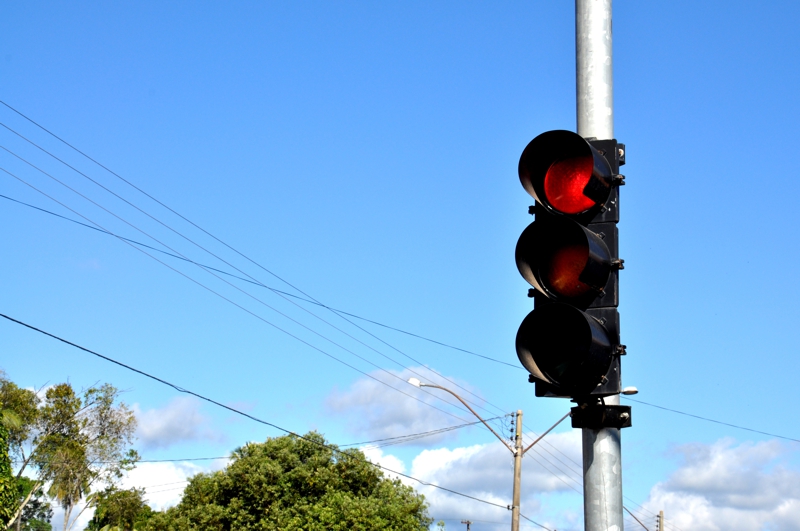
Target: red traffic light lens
[
  {"x": 564, "y": 268},
  {"x": 564, "y": 183},
  {"x": 566, "y": 175},
  {"x": 564, "y": 260}
]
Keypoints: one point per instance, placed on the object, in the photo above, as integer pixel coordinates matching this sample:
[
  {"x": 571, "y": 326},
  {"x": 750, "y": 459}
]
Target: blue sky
[{"x": 366, "y": 153}]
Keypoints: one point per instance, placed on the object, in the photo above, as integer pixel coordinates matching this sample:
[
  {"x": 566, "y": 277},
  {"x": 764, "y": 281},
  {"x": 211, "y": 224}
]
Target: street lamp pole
[{"x": 517, "y": 450}]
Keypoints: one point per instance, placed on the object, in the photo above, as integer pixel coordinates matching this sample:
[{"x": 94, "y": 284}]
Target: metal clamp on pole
[{"x": 599, "y": 416}]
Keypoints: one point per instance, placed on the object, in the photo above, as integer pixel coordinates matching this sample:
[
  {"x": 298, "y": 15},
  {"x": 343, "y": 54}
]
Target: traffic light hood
[{"x": 566, "y": 174}]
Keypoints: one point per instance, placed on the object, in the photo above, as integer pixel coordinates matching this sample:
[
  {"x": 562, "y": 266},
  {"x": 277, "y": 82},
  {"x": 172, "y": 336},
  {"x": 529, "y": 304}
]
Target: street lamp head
[
  {"x": 415, "y": 382},
  {"x": 630, "y": 391}
]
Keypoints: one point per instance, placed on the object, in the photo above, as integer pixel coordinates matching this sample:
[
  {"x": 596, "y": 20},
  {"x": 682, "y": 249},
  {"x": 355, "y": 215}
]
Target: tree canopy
[
  {"x": 119, "y": 510},
  {"x": 72, "y": 442},
  {"x": 293, "y": 483}
]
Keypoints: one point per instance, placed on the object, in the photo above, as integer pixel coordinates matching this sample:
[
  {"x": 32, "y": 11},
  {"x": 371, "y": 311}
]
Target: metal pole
[
  {"x": 595, "y": 83},
  {"x": 517, "y": 472},
  {"x": 602, "y": 452}
]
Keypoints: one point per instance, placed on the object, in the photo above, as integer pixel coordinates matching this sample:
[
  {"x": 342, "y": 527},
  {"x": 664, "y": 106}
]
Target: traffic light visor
[
  {"x": 563, "y": 260},
  {"x": 562, "y": 171},
  {"x": 563, "y": 346}
]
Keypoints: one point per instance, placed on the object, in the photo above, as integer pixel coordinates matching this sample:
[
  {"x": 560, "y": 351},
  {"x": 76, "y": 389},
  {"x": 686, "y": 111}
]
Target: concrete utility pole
[
  {"x": 660, "y": 521},
  {"x": 468, "y": 522},
  {"x": 517, "y": 471},
  {"x": 516, "y": 450},
  {"x": 602, "y": 452}
]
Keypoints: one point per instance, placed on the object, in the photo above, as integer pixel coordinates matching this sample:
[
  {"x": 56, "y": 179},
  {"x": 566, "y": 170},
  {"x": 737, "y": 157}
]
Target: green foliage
[
  {"x": 8, "y": 486},
  {"x": 23, "y": 404},
  {"x": 288, "y": 483},
  {"x": 37, "y": 512},
  {"x": 74, "y": 442},
  {"x": 119, "y": 510}
]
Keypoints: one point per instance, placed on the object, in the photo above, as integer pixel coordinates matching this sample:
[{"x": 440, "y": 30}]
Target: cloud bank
[
  {"x": 374, "y": 411},
  {"x": 732, "y": 487},
  {"x": 177, "y": 422}
]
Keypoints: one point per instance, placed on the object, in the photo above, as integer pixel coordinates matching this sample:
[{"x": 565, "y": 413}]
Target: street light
[{"x": 517, "y": 450}]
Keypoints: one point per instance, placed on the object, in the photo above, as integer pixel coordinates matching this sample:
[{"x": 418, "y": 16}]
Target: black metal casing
[{"x": 601, "y": 303}]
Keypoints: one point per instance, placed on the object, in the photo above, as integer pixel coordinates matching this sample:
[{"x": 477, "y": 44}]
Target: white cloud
[
  {"x": 391, "y": 462},
  {"x": 724, "y": 486},
  {"x": 375, "y": 411},
  {"x": 178, "y": 421},
  {"x": 485, "y": 471},
  {"x": 164, "y": 482}
]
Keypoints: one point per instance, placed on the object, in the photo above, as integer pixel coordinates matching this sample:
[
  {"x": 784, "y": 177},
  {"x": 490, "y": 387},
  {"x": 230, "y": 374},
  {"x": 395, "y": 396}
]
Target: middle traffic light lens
[
  {"x": 564, "y": 269},
  {"x": 565, "y": 182}
]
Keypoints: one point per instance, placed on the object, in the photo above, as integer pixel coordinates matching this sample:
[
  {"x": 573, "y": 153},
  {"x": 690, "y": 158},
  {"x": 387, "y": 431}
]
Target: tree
[
  {"x": 8, "y": 486},
  {"x": 38, "y": 512},
  {"x": 120, "y": 510},
  {"x": 73, "y": 442},
  {"x": 289, "y": 483}
]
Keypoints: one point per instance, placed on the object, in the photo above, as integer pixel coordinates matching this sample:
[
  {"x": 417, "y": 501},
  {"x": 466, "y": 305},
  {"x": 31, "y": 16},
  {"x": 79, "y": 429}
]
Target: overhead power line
[
  {"x": 84, "y": 175},
  {"x": 210, "y": 272},
  {"x": 712, "y": 420},
  {"x": 215, "y": 238},
  {"x": 257, "y": 316},
  {"x": 271, "y": 288},
  {"x": 242, "y": 413},
  {"x": 535, "y": 523},
  {"x": 392, "y": 440},
  {"x": 389, "y": 441}
]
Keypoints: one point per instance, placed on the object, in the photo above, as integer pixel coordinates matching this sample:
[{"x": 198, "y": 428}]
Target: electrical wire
[
  {"x": 242, "y": 413},
  {"x": 239, "y": 305},
  {"x": 213, "y": 274},
  {"x": 373, "y": 443},
  {"x": 163, "y": 484},
  {"x": 340, "y": 314},
  {"x": 257, "y": 283},
  {"x": 128, "y": 240},
  {"x": 634, "y": 517},
  {"x": 642, "y": 509},
  {"x": 236, "y": 287},
  {"x": 109, "y": 170},
  {"x": 219, "y": 258},
  {"x": 712, "y": 420},
  {"x": 534, "y": 522},
  {"x": 103, "y": 231},
  {"x": 390, "y": 441}
]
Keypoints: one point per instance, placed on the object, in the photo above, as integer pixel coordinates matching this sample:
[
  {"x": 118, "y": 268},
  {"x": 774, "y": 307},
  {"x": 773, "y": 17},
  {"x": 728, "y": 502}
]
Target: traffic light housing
[{"x": 570, "y": 342}]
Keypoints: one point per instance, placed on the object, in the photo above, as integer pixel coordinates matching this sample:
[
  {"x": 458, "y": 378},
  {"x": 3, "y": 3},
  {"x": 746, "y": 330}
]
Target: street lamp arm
[
  {"x": 472, "y": 411},
  {"x": 545, "y": 433}
]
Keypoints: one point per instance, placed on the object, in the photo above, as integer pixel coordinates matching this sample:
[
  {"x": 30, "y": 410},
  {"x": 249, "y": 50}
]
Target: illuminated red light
[
  {"x": 564, "y": 184},
  {"x": 564, "y": 269}
]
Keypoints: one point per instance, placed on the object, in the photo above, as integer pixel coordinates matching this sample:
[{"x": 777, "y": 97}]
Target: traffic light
[{"x": 570, "y": 342}]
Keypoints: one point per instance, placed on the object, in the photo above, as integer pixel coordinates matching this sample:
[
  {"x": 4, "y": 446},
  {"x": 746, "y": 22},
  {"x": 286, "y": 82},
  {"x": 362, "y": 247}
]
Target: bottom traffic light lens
[
  {"x": 565, "y": 182},
  {"x": 564, "y": 346},
  {"x": 564, "y": 268}
]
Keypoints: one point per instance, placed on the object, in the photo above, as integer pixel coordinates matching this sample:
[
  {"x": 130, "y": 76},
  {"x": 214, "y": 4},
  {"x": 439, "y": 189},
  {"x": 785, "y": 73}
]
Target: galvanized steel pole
[
  {"x": 602, "y": 451},
  {"x": 595, "y": 83}
]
